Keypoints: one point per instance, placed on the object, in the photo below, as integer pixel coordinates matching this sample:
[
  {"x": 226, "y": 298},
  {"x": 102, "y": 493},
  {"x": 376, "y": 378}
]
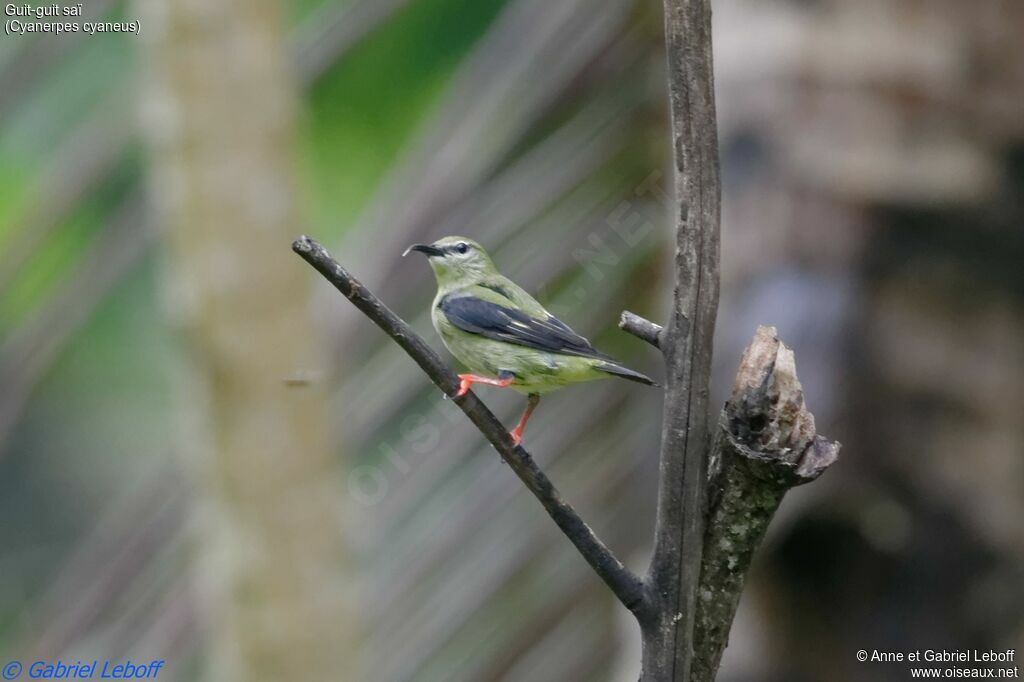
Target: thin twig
[
  {"x": 645, "y": 330},
  {"x": 626, "y": 586}
]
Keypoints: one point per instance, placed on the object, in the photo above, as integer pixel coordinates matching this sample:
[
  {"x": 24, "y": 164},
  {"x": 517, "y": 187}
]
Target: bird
[{"x": 502, "y": 334}]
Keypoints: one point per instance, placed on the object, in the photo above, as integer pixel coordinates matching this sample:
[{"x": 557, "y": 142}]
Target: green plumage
[{"x": 493, "y": 327}]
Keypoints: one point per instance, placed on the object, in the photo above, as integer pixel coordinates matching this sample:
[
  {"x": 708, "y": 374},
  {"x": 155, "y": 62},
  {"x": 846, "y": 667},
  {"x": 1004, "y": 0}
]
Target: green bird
[{"x": 502, "y": 334}]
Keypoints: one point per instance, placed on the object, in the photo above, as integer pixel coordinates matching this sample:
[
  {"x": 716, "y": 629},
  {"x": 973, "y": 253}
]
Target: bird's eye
[{"x": 462, "y": 247}]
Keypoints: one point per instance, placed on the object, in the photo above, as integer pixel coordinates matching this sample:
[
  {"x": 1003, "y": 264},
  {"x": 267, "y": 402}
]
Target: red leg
[
  {"x": 467, "y": 380},
  {"x": 531, "y": 405}
]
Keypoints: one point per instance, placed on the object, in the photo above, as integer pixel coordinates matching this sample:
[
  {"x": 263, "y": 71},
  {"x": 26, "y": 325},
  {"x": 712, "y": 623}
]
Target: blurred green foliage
[
  {"x": 102, "y": 411},
  {"x": 363, "y": 112}
]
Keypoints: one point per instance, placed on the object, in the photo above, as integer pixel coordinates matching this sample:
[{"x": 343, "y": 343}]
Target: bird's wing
[
  {"x": 505, "y": 292},
  {"x": 492, "y": 320}
]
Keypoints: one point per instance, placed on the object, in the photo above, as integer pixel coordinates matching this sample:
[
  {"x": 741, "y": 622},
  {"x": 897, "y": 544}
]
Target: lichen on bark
[{"x": 766, "y": 444}]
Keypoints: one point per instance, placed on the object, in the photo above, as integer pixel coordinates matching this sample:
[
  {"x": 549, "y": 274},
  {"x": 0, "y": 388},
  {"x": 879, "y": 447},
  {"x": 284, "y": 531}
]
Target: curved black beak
[{"x": 424, "y": 248}]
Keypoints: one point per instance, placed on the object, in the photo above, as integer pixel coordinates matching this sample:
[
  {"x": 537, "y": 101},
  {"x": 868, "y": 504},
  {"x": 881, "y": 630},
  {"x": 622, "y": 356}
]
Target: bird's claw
[
  {"x": 467, "y": 380},
  {"x": 517, "y": 436}
]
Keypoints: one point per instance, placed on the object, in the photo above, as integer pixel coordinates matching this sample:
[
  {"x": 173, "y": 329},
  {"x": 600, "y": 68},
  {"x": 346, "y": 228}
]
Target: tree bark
[
  {"x": 766, "y": 444},
  {"x": 686, "y": 343}
]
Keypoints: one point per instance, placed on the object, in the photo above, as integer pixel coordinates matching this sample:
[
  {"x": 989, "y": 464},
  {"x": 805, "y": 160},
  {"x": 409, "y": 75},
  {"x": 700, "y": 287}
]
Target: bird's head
[{"x": 456, "y": 261}]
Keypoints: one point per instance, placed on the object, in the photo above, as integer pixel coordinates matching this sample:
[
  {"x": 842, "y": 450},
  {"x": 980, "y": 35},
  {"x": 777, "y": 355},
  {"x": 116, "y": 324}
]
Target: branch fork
[
  {"x": 765, "y": 444},
  {"x": 720, "y": 482}
]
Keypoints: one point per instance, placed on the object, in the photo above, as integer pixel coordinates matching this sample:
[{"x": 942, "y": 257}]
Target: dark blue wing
[{"x": 476, "y": 316}]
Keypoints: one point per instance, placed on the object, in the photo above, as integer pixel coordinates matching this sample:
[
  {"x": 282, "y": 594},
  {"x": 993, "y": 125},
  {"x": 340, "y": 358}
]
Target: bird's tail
[{"x": 626, "y": 373}]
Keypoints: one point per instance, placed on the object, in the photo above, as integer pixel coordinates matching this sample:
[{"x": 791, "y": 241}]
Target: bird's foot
[
  {"x": 467, "y": 380},
  {"x": 531, "y": 405}
]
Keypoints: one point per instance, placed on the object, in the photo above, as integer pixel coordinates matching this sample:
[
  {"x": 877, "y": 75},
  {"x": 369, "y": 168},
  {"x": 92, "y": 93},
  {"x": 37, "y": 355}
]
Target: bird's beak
[{"x": 424, "y": 248}]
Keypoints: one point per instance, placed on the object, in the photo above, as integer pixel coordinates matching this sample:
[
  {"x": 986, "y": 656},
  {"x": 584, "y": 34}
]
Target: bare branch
[
  {"x": 766, "y": 445},
  {"x": 686, "y": 343},
  {"x": 626, "y": 586},
  {"x": 645, "y": 330}
]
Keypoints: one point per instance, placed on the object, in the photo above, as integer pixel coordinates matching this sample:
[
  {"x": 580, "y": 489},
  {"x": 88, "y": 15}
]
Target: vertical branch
[{"x": 686, "y": 345}]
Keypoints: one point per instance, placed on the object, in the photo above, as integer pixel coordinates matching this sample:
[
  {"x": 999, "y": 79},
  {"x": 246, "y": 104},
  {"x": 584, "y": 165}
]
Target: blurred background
[{"x": 207, "y": 457}]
